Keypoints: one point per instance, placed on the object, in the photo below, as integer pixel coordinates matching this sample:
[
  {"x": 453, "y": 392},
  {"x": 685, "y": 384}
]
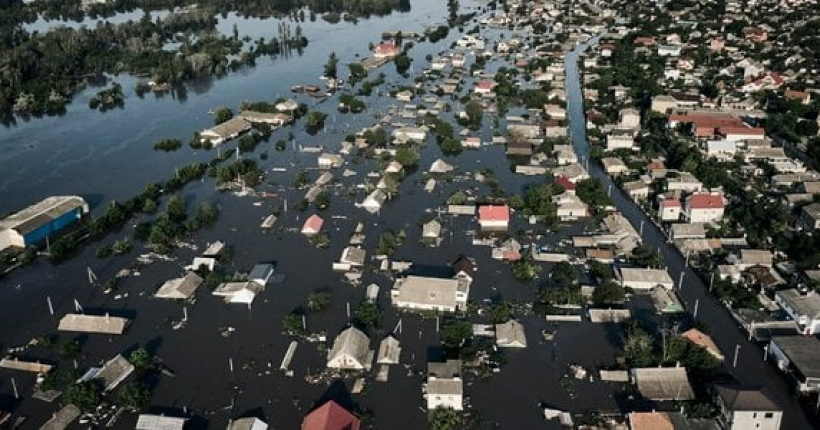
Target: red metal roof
[
  {"x": 705, "y": 201},
  {"x": 565, "y": 182},
  {"x": 757, "y": 131},
  {"x": 314, "y": 223},
  {"x": 494, "y": 213},
  {"x": 670, "y": 203},
  {"x": 330, "y": 416}
]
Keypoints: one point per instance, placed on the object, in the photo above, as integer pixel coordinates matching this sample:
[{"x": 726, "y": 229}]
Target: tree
[
  {"x": 407, "y": 156},
  {"x": 132, "y": 396},
  {"x": 638, "y": 348},
  {"x": 402, "y": 63},
  {"x": 525, "y": 270},
  {"x": 292, "y": 324},
  {"x": 319, "y": 300},
  {"x": 453, "y": 333},
  {"x": 176, "y": 209},
  {"x": 592, "y": 192},
  {"x": 140, "y": 358},
  {"x": 474, "y": 114},
  {"x": 222, "y": 114},
  {"x": 445, "y": 419},
  {"x": 564, "y": 274},
  {"x": 331, "y": 66},
  {"x": 451, "y": 147},
  {"x": 70, "y": 350},
  {"x": 314, "y": 121},
  {"x": 607, "y": 293},
  {"x": 500, "y": 312},
  {"x": 368, "y": 314},
  {"x": 84, "y": 395}
]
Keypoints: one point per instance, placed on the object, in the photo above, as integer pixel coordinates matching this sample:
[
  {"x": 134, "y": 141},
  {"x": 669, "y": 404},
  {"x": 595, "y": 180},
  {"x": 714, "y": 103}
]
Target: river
[{"x": 730, "y": 338}]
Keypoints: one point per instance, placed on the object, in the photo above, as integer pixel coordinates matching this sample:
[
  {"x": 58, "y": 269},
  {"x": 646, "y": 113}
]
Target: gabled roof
[
  {"x": 494, "y": 213},
  {"x": 180, "y": 288},
  {"x": 740, "y": 399},
  {"x": 313, "y": 224},
  {"x": 330, "y": 416},
  {"x": 702, "y": 340},
  {"x": 705, "y": 201},
  {"x": 650, "y": 421},
  {"x": 565, "y": 182},
  {"x": 464, "y": 265}
]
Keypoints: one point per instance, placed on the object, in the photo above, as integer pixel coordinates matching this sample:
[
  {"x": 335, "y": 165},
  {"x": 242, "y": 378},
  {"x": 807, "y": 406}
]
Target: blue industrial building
[{"x": 35, "y": 223}]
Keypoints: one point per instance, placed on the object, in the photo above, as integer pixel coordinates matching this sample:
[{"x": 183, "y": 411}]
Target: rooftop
[
  {"x": 659, "y": 383},
  {"x": 330, "y": 416},
  {"x": 739, "y": 399},
  {"x": 32, "y": 217},
  {"x": 802, "y": 304},
  {"x": 803, "y": 353}
]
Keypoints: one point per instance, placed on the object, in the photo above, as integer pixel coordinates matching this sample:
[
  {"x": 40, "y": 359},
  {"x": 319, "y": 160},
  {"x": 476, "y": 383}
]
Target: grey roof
[
  {"x": 739, "y": 399},
  {"x": 114, "y": 371},
  {"x": 248, "y": 423},
  {"x": 353, "y": 343},
  {"x": 808, "y": 305},
  {"x": 446, "y": 369},
  {"x": 802, "y": 352},
  {"x": 159, "y": 422},
  {"x": 93, "y": 324},
  {"x": 439, "y": 292},
  {"x": 261, "y": 272},
  {"x": 389, "y": 351},
  {"x": 446, "y": 386},
  {"x": 180, "y": 288},
  {"x": 655, "y": 276},
  {"x": 62, "y": 419},
  {"x": 43, "y": 212},
  {"x": 230, "y": 127},
  {"x": 510, "y": 334},
  {"x": 669, "y": 383},
  {"x": 812, "y": 210},
  {"x": 431, "y": 228}
]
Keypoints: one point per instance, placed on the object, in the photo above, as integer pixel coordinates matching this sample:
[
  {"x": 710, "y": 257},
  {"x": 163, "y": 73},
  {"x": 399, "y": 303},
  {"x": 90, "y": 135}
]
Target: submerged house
[
  {"x": 313, "y": 225},
  {"x": 351, "y": 351},
  {"x": 180, "y": 288}
]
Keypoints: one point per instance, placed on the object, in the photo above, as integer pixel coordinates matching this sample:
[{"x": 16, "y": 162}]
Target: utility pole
[
  {"x": 737, "y": 350},
  {"x": 680, "y": 280},
  {"x": 695, "y": 314}
]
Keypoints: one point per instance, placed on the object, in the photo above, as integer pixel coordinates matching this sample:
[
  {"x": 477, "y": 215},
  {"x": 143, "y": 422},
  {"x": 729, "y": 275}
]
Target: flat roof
[
  {"x": 659, "y": 276},
  {"x": 803, "y": 353},
  {"x": 808, "y": 305}
]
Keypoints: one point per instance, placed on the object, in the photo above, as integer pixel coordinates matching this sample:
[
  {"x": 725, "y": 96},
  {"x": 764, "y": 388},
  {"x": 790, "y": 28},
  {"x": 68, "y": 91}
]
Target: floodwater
[{"x": 109, "y": 156}]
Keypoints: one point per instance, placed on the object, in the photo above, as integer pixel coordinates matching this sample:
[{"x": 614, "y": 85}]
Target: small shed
[
  {"x": 389, "y": 351},
  {"x": 179, "y": 288},
  {"x": 261, "y": 273}
]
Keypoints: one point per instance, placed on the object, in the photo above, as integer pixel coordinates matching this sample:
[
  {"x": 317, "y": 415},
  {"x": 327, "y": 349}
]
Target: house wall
[
  {"x": 488, "y": 224},
  {"x": 619, "y": 142},
  {"x": 9, "y": 238},
  {"x": 344, "y": 361},
  {"x": 704, "y": 215},
  {"x": 40, "y": 233},
  {"x": 669, "y": 213},
  {"x": 454, "y": 402},
  {"x": 401, "y": 304},
  {"x": 758, "y": 420}
]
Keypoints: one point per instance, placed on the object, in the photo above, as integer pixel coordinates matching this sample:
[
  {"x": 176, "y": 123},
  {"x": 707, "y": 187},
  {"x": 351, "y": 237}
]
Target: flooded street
[{"x": 110, "y": 156}]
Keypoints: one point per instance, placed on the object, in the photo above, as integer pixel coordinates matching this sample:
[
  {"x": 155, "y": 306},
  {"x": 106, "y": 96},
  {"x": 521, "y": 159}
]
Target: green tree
[
  {"x": 445, "y": 419},
  {"x": 474, "y": 113},
  {"x": 176, "y": 209},
  {"x": 84, "y": 395},
  {"x": 500, "y": 312},
  {"x": 564, "y": 274},
  {"x": 607, "y": 293},
  {"x": 451, "y": 147},
  {"x": 314, "y": 121},
  {"x": 319, "y": 301},
  {"x": 368, "y": 314},
  {"x": 132, "y": 396},
  {"x": 70, "y": 350},
  {"x": 407, "y": 156},
  {"x": 402, "y": 63},
  {"x": 331, "y": 66},
  {"x": 454, "y": 332},
  {"x": 638, "y": 347},
  {"x": 222, "y": 114},
  {"x": 140, "y": 358},
  {"x": 292, "y": 324}
]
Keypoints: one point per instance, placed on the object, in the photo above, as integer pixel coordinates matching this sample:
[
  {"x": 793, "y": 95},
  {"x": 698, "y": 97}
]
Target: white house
[
  {"x": 704, "y": 207},
  {"x": 510, "y": 335},
  {"x": 351, "y": 351},
  {"x": 328, "y": 161},
  {"x": 630, "y": 118},
  {"x": 802, "y": 306},
  {"x": 417, "y": 134},
  {"x": 645, "y": 279},
  {"x": 620, "y": 138},
  {"x": 374, "y": 201},
  {"x": 741, "y": 409},
  {"x": 669, "y": 50},
  {"x": 239, "y": 292},
  {"x": 494, "y": 217},
  {"x": 569, "y": 206},
  {"x": 722, "y": 150},
  {"x": 669, "y": 209},
  {"x": 434, "y": 294},
  {"x": 445, "y": 388}
]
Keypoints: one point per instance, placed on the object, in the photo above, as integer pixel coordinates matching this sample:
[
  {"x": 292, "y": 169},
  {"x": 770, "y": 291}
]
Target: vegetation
[
  {"x": 132, "y": 396},
  {"x": 222, "y": 114},
  {"x": 167, "y": 145},
  {"x": 453, "y": 333},
  {"x": 592, "y": 192},
  {"x": 445, "y": 419},
  {"x": 407, "y": 155},
  {"x": 108, "y": 98},
  {"x": 314, "y": 121},
  {"x": 319, "y": 301},
  {"x": 389, "y": 241},
  {"x": 537, "y": 200},
  {"x": 292, "y": 324},
  {"x": 610, "y": 292},
  {"x": 140, "y": 358},
  {"x": 368, "y": 314},
  {"x": 84, "y": 395}
]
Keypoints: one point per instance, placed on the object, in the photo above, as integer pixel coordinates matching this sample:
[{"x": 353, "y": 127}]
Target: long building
[{"x": 35, "y": 223}]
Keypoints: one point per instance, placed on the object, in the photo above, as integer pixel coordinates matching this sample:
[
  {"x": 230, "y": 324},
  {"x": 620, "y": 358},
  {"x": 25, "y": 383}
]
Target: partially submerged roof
[
  {"x": 802, "y": 352},
  {"x": 93, "y": 324},
  {"x": 703, "y": 340},
  {"x": 663, "y": 383},
  {"x": 62, "y": 419},
  {"x": 159, "y": 422},
  {"x": 180, "y": 288},
  {"x": 247, "y": 423},
  {"x": 113, "y": 372},
  {"x": 389, "y": 351},
  {"x": 330, "y": 416},
  {"x": 32, "y": 217},
  {"x": 510, "y": 334},
  {"x": 650, "y": 421}
]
